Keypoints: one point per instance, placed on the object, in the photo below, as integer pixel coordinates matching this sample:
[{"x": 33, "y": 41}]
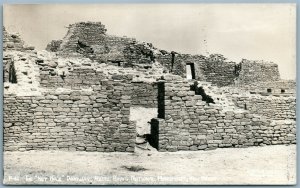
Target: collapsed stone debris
[{"x": 79, "y": 93}]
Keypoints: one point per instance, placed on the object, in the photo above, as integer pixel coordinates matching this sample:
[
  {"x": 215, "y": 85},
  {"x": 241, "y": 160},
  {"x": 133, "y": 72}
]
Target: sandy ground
[{"x": 253, "y": 165}]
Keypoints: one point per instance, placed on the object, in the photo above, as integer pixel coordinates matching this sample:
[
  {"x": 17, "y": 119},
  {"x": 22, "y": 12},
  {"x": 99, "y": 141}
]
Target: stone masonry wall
[
  {"x": 90, "y": 40},
  {"x": 257, "y": 71},
  {"x": 276, "y": 108},
  {"x": 54, "y": 45},
  {"x": 188, "y": 123},
  {"x": 77, "y": 78},
  {"x": 219, "y": 73},
  {"x": 86, "y": 120},
  {"x": 86, "y": 32},
  {"x": 277, "y": 87},
  {"x": 144, "y": 94}
]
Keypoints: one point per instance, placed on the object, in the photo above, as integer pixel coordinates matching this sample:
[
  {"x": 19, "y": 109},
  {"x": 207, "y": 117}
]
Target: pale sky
[{"x": 250, "y": 31}]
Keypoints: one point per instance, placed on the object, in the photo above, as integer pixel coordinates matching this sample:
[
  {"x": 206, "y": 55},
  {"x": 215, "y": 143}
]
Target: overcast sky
[{"x": 251, "y": 31}]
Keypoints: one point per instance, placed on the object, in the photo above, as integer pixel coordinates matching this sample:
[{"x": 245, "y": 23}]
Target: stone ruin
[{"x": 80, "y": 93}]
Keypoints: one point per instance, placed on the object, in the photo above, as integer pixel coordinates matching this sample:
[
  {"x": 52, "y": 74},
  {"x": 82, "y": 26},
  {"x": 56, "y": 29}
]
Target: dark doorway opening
[
  {"x": 161, "y": 100},
  {"x": 269, "y": 90},
  {"x": 12, "y": 76},
  {"x": 173, "y": 60}
]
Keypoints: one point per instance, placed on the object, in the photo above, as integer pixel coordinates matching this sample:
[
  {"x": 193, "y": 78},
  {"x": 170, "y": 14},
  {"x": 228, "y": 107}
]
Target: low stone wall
[
  {"x": 277, "y": 87},
  {"x": 144, "y": 94},
  {"x": 86, "y": 120},
  {"x": 76, "y": 78},
  {"x": 188, "y": 123},
  {"x": 276, "y": 108}
]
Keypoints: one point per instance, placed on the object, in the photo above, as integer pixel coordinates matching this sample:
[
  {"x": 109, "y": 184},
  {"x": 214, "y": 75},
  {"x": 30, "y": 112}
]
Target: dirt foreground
[{"x": 253, "y": 165}]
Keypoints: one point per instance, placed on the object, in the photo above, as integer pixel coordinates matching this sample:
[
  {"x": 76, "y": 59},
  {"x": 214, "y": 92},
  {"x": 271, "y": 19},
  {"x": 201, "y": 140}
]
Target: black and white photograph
[{"x": 149, "y": 94}]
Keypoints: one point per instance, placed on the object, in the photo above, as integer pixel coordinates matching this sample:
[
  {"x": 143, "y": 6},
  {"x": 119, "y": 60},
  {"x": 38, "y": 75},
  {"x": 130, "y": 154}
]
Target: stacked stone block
[
  {"x": 144, "y": 94},
  {"x": 257, "y": 71},
  {"x": 191, "y": 124},
  {"x": 288, "y": 86},
  {"x": 79, "y": 77},
  {"x": 219, "y": 73},
  {"x": 85, "y": 120},
  {"x": 90, "y": 40},
  {"x": 276, "y": 108}
]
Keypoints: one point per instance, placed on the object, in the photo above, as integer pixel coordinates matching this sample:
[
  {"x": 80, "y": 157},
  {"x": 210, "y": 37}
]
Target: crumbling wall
[
  {"x": 165, "y": 60},
  {"x": 54, "y": 45},
  {"x": 85, "y": 32},
  {"x": 139, "y": 53},
  {"x": 257, "y": 71},
  {"x": 191, "y": 124},
  {"x": 82, "y": 120},
  {"x": 14, "y": 42},
  {"x": 90, "y": 40}
]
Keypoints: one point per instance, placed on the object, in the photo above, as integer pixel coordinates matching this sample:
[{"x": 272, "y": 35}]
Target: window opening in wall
[
  {"x": 245, "y": 106},
  {"x": 269, "y": 90},
  {"x": 190, "y": 71},
  {"x": 282, "y": 90}
]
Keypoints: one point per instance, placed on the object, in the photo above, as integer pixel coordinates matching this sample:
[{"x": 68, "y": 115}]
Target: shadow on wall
[
  {"x": 161, "y": 100},
  {"x": 200, "y": 91}
]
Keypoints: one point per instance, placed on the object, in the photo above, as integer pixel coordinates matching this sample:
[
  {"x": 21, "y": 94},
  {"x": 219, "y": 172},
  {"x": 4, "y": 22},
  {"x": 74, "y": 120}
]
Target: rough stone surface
[
  {"x": 189, "y": 123},
  {"x": 91, "y": 120}
]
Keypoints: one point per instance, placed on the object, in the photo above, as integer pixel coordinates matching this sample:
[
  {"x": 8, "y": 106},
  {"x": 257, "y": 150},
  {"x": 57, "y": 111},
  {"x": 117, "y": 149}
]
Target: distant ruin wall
[
  {"x": 275, "y": 108},
  {"x": 253, "y": 72},
  {"x": 90, "y": 40},
  {"x": 95, "y": 120},
  {"x": 86, "y": 32},
  {"x": 54, "y": 45},
  {"x": 219, "y": 73},
  {"x": 190, "y": 124},
  {"x": 14, "y": 42}
]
